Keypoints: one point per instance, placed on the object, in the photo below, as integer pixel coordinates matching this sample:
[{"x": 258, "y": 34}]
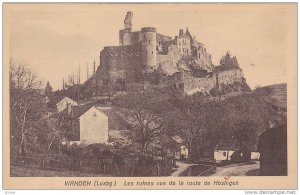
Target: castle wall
[
  {"x": 126, "y": 37},
  {"x": 120, "y": 63},
  {"x": 160, "y": 39},
  {"x": 203, "y": 59},
  {"x": 197, "y": 84},
  {"x": 230, "y": 76},
  {"x": 145, "y": 51},
  {"x": 169, "y": 61}
]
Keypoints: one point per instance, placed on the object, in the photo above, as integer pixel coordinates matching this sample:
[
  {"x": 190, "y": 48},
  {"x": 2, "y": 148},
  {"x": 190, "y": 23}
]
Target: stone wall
[
  {"x": 203, "y": 59},
  {"x": 120, "y": 63},
  {"x": 230, "y": 76},
  {"x": 168, "y": 62},
  {"x": 129, "y": 38},
  {"x": 197, "y": 84},
  {"x": 160, "y": 40}
]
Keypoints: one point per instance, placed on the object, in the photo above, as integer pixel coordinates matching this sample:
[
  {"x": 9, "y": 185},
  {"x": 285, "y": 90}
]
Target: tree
[
  {"x": 48, "y": 89},
  {"x": 147, "y": 114},
  {"x": 27, "y": 105},
  {"x": 244, "y": 134},
  {"x": 49, "y": 133},
  {"x": 198, "y": 123}
]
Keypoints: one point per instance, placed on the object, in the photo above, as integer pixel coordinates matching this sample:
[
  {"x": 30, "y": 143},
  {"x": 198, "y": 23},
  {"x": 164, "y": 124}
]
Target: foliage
[
  {"x": 27, "y": 105},
  {"x": 236, "y": 121},
  {"x": 48, "y": 89},
  {"x": 50, "y": 133},
  {"x": 148, "y": 115}
]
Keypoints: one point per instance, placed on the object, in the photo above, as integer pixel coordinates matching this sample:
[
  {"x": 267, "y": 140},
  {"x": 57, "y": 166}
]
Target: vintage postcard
[{"x": 150, "y": 96}]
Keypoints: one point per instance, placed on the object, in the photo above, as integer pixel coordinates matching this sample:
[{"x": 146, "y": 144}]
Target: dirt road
[
  {"x": 181, "y": 167},
  {"x": 235, "y": 169}
]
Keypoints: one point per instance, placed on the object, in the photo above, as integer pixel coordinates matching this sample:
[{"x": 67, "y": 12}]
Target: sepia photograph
[{"x": 97, "y": 93}]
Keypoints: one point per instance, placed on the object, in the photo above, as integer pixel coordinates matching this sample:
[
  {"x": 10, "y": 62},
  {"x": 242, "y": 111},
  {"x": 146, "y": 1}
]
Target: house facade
[
  {"x": 224, "y": 154},
  {"x": 183, "y": 152},
  {"x": 62, "y": 104},
  {"x": 93, "y": 125},
  {"x": 88, "y": 125}
]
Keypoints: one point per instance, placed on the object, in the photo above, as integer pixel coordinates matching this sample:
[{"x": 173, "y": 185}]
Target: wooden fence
[{"x": 144, "y": 167}]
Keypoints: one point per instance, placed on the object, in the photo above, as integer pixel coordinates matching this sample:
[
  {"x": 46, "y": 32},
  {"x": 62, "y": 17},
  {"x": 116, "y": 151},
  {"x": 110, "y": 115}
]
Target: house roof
[
  {"x": 79, "y": 110},
  {"x": 116, "y": 118},
  {"x": 64, "y": 99}
]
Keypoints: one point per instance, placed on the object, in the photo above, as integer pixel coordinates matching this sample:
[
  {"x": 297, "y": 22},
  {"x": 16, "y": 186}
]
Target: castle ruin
[{"x": 144, "y": 52}]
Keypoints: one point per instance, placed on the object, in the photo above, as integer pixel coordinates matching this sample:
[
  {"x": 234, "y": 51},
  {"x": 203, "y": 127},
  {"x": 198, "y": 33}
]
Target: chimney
[
  {"x": 69, "y": 108},
  {"x": 187, "y": 31},
  {"x": 180, "y": 32}
]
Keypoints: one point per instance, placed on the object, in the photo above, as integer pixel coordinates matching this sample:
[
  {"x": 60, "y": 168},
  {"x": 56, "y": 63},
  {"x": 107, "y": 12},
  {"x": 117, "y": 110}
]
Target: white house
[
  {"x": 221, "y": 155},
  {"x": 183, "y": 153},
  {"x": 255, "y": 155},
  {"x": 90, "y": 123},
  {"x": 62, "y": 104}
]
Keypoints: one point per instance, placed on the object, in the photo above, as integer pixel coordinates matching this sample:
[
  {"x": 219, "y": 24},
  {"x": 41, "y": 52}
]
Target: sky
[{"x": 55, "y": 40}]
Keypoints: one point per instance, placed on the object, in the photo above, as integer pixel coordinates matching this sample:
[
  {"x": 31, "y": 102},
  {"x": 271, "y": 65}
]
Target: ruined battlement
[
  {"x": 122, "y": 51},
  {"x": 182, "y": 58},
  {"x": 148, "y": 29}
]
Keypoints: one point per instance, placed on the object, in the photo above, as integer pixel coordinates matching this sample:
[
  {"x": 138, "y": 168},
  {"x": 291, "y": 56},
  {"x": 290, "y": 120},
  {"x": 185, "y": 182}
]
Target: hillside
[
  {"x": 244, "y": 112},
  {"x": 279, "y": 92}
]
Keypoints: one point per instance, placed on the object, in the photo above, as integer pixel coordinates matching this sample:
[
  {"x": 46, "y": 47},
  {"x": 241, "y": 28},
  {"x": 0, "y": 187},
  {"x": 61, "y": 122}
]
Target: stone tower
[
  {"x": 128, "y": 21},
  {"x": 149, "y": 49},
  {"x": 125, "y": 34}
]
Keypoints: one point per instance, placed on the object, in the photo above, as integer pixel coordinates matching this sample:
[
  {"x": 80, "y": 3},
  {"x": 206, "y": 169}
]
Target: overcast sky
[{"x": 56, "y": 39}]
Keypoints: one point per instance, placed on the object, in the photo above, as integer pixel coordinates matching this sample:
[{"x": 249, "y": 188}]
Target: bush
[
  {"x": 236, "y": 157},
  {"x": 246, "y": 156}
]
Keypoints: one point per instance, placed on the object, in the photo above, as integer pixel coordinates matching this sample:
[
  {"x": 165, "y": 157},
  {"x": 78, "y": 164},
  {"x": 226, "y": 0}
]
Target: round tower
[{"x": 149, "y": 49}]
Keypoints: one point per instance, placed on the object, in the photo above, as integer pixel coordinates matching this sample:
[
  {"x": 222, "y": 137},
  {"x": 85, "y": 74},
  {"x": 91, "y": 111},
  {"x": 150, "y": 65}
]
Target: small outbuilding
[{"x": 63, "y": 103}]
